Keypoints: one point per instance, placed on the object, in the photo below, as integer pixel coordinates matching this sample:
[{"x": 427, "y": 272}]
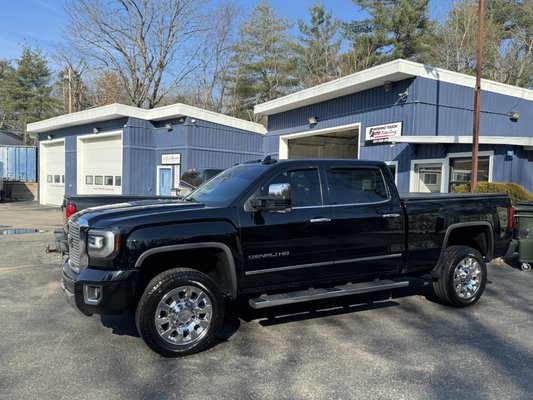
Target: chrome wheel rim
[
  {"x": 467, "y": 278},
  {"x": 183, "y": 316}
]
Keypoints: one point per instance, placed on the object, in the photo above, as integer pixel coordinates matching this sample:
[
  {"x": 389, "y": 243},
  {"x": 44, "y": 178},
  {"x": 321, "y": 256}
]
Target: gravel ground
[{"x": 396, "y": 345}]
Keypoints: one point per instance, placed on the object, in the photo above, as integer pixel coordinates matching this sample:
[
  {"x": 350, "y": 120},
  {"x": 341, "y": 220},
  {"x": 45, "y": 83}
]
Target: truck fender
[
  {"x": 228, "y": 264},
  {"x": 436, "y": 271}
]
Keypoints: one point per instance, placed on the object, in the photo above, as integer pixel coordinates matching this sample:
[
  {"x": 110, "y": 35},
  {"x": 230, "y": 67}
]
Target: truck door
[
  {"x": 296, "y": 246},
  {"x": 368, "y": 222}
]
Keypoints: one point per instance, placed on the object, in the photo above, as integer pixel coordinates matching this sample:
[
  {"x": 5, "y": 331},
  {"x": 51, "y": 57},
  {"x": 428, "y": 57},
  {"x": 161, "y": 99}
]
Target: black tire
[
  {"x": 180, "y": 312},
  {"x": 463, "y": 276}
]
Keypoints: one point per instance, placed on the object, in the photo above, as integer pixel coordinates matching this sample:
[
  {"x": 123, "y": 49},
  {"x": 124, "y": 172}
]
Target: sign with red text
[{"x": 381, "y": 134}]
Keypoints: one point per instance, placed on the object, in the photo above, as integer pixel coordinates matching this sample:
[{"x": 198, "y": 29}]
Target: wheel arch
[
  {"x": 225, "y": 269},
  {"x": 479, "y": 236}
]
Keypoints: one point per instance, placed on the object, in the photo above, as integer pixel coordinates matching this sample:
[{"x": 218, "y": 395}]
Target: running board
[{"x": 324, "y": 293}]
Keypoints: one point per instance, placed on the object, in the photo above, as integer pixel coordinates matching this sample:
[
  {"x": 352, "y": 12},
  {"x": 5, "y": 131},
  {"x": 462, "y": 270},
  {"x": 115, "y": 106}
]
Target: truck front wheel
[
  {"x": 463, "y": 276},
  {"x": 180, "y": 312}
]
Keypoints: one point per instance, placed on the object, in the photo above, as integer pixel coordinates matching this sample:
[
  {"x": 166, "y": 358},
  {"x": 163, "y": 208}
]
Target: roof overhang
[
  {"x": 115, "y": 111},
  {"x": 494, "y": 140},
  {"x": 377, "y": 76}
]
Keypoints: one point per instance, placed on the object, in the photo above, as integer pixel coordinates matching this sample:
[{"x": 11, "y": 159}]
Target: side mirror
[{"x": 278, "y": 199}]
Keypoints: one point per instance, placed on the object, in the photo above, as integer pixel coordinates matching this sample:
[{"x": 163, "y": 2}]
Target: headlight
[{"x": 102, "y": 244}]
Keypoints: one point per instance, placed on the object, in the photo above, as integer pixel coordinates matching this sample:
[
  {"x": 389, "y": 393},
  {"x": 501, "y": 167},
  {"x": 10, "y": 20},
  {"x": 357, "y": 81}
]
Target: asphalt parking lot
[{"x": 397, "y": 345}]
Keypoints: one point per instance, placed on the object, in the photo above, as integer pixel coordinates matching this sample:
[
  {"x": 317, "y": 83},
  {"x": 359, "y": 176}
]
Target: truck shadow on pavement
[
  {"x": 121, "y": 325},
  {"x": 239, "y": 310}
]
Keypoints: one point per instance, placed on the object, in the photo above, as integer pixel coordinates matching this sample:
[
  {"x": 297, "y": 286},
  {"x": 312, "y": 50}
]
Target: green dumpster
[{"x": 524, "y": 229}]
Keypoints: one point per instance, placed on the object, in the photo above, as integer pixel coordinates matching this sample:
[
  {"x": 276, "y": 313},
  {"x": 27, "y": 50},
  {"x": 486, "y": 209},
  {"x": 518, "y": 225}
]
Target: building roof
[
  {"x": 11, "y": 135},
  {"x": 114, "y": 111},
  {"x": 376, "y": 76}
]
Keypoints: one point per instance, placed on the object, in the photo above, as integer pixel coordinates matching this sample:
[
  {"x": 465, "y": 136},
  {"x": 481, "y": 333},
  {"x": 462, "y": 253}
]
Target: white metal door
[
  {"x": 100, "y": 164},
  {"x": 52, "y": 176}
]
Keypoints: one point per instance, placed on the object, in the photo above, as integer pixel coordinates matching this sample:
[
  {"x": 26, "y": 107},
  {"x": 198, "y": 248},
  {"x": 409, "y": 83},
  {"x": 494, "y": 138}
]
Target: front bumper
[{"x": 97, "y": 291}]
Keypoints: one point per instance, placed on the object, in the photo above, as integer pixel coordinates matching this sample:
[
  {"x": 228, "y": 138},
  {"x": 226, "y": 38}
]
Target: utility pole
[
  {"x": 477, "y": 97},
  {"x": 69, "y": 90}
]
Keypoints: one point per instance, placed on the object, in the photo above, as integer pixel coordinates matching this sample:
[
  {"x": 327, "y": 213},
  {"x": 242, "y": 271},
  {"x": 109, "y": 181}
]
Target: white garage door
[
  {"x": 52, "y": 176},
  {"x": 100, "y": 164}
]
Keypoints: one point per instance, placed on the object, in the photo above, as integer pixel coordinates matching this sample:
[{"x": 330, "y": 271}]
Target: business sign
[
  {"x": 170, "y": 159},
  {"x": 380, "y": 134}
]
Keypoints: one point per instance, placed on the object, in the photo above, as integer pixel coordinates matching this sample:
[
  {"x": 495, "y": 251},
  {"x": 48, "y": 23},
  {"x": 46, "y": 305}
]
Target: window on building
[
  {"x": 49, "y": 178},
  {"x": 461, "y": 170},
  {"x": 118, "y": 181},
  {"x": 89, "y": 179},
  {"x": 109, "y": 181},
  {"x": 428, "y": 177},
  {"x": 57, "y": 179},
  {"x": 98, "y": 180}
]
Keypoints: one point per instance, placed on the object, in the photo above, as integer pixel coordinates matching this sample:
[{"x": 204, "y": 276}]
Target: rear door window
[{"x": 357, "y": 185}]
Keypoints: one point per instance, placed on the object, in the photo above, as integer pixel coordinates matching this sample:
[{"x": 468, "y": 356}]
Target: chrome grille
[{"x": 74, "y": 243}]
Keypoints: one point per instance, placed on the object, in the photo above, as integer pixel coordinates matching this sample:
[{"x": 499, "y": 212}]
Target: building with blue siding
[
  {"x": 117, "y": 149},
  {"x": 416, "y": 118}
]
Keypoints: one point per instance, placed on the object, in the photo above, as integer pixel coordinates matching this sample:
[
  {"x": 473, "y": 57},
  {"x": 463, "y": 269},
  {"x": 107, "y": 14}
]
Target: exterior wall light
[
  {"x": 169, "y": 127},
  {"x": 96, "y": 130},
  {"x": 387, "y": 86},
  {"x": 404, "y": 95},
  {"x": 514, "y": 116},
  {"x": 50, "y": 137},
  {"x": 312, "y": 121}
]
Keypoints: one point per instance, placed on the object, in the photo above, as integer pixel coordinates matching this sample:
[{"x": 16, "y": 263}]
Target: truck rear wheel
[
  {"x": 463, "y": 276},
  {"x": 180, "y": 312}
]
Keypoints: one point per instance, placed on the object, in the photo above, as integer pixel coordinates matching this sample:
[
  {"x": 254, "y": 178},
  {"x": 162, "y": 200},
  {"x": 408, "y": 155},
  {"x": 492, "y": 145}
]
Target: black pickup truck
[
  {"x": 276, "y": 233},
  {"x": 190, "y": 180}
]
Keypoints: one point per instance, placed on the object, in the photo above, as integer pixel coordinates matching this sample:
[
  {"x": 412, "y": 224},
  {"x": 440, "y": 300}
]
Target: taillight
[
  {"x": 71, "y": 209},
  {"x": 511, "y": 218}
]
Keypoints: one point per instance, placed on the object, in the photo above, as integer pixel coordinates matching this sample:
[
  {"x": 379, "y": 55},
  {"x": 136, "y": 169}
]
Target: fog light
[{"x": 92, "y": 294}]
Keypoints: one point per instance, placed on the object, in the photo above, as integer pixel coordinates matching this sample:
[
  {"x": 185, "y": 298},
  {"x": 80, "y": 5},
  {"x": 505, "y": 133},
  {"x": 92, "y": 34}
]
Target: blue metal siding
[
  {"x": 372, "y": 106},
  {"x": 447, "y": 109},
  {"x": 19, "y": 163},
  {"x": 433, "y": 108},
  {"x": 200, "y": 145},
  {"x": 71, "y": 165}
]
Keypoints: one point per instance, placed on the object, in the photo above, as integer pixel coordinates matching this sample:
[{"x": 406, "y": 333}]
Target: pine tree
[
  {"x": 27, "y": 91},
  {"x": 318, "y": 52},
  {"x": 395, "y": 29},
  {"x": 264, "y": 62}
]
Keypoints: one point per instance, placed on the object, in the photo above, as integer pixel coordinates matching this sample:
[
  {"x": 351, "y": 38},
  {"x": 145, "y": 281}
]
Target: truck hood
[{"x": 135, "y": 213}]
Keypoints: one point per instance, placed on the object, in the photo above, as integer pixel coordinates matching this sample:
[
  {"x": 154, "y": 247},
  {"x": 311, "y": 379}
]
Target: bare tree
[
  {"x": 74, "y": 93},
  {"x": 507, "y": 40},
  {"x": 148, "y": 44},
  {"x": 215, "y": 58}
]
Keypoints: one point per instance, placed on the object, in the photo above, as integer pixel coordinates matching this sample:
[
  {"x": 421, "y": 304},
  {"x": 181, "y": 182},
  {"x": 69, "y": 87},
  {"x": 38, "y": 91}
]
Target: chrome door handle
[
  {"x": 319, "y": 220},
  {"x": 393, "y": 215}
]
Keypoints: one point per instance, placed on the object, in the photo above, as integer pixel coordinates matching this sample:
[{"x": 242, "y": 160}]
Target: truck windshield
[{"x": 222, "y": 190}]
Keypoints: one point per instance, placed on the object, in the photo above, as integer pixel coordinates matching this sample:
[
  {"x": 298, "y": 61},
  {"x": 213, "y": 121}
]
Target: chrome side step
[{"x": 301, "y": 296}]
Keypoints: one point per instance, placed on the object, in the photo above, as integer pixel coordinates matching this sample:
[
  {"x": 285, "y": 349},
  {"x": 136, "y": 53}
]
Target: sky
[{"x": 39, "y": 23}]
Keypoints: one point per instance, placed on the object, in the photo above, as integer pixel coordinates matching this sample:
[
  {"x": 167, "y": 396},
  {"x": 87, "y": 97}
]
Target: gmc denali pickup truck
[{"x": 276, "y": 233}]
